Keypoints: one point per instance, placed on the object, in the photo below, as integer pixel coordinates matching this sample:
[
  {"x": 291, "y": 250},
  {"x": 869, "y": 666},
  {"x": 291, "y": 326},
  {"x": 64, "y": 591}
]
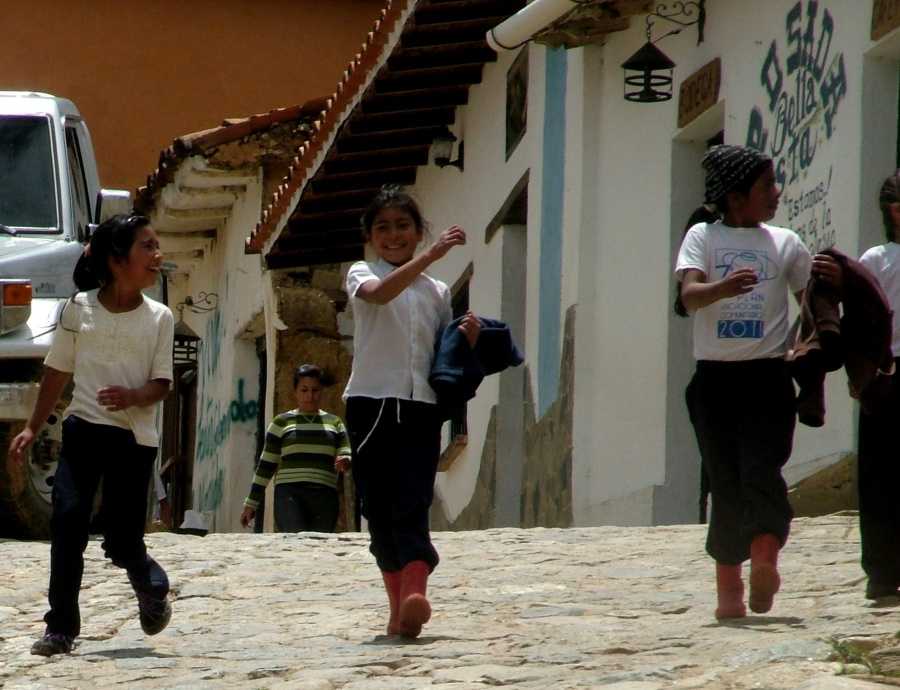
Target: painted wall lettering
[
  {"x": 212, "y": 344},
  {"x": 215, "y": 422},
  {"x": 804, "y": 82},
  {"x": 809, "y": 212}
]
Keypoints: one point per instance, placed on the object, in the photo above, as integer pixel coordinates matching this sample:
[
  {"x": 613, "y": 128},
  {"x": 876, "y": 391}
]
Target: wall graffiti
[
  {"x": 210, "y": 496},
  {"x": 215, "y": 425},
  {"x": 214, "y": 430},
  {"x": 803, "y": 89},
  {"x": 212, "y": 344},
  {"x": 809, "y": 212},
  {"x": 804, "y": 82}
]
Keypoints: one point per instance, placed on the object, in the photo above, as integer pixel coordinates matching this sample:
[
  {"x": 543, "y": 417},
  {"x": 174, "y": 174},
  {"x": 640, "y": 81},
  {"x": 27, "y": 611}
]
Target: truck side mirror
[{"x": 111, "y": 202}]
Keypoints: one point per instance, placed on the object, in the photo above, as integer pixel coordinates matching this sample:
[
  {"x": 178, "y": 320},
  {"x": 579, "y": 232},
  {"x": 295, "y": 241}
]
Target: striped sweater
[{"x": 300, "y": 448}]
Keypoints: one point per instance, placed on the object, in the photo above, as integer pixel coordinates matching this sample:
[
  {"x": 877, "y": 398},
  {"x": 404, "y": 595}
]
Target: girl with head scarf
[{"x": 736, "y": 273}]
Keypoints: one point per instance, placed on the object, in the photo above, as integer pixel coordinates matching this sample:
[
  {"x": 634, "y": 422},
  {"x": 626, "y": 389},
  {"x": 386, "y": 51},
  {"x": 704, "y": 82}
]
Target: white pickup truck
[{"x": 50, "y": 198}]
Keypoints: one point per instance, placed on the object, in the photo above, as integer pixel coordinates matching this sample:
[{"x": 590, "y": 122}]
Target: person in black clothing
[{"x": 879, "y": 469}]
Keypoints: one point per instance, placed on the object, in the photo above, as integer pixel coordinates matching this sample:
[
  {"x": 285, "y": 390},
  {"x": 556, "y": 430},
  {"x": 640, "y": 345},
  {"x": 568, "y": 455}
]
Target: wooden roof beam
[
  {"x": 376, "y": 160},
  {"x": 326, "y": 221},
  {"x": 450, "y": 10},
  {"x": 335, "y": 201},
  {"x": 408, "y": 80},
  {"x": 323, "y": 184},
  {"x": 412, "y": 100},
  {"x": 284, "y": 260},
  {"x": 449, "y": 32},
  {"x": 397, "y": 138},
  {"x": 291, "y": 241},
  {"x": 418, "y": 57},
  {"x": 400, "y": 119}
]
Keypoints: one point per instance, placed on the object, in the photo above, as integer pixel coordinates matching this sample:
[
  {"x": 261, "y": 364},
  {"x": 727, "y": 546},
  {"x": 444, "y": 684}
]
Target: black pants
[
  {"x": 879, "y": 478},
  {"x": 744, "y": 416},
  {"x": 91, "y": 452},
  {"x": 305, "y": 507},
  {"x": 396, "y": 445}
]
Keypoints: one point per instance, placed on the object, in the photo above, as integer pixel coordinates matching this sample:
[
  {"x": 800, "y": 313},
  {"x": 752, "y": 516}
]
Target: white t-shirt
[
  {"x": 393, "y": 344},
  {"x": 102, "y": 349},
  {"x": 884, "y": 262},
  {"x": 754, "y": 325}
]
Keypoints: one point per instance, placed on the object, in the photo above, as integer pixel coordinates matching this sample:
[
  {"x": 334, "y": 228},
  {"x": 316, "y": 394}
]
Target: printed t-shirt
[{"x": 753, "y": 325}]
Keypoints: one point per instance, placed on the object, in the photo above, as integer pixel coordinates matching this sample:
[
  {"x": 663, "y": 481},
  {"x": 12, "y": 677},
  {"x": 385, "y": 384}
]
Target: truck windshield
[{"x": 27, "y": 185}]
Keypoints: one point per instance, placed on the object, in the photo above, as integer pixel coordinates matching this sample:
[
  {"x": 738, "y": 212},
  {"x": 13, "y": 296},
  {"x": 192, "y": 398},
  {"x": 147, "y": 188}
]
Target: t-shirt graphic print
[
  {"x": 744, "y": 316},
  {"x": 753, "y": 325}
]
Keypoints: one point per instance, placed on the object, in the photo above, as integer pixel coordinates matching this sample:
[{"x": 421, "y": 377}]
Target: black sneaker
[
  {"x": 53, "y": 643},
  {"x": 155, "y": 613}
]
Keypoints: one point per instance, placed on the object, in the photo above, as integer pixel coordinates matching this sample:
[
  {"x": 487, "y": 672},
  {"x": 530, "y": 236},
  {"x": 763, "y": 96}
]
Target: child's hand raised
[
  {"x": 738, "y": 282},
  {"x": 451, "y": 237}
]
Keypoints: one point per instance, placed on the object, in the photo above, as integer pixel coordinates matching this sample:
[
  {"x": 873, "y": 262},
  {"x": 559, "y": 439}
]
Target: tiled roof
[
  {"x": 208, "y": 141},
  {"x": 397, "y": 94}
]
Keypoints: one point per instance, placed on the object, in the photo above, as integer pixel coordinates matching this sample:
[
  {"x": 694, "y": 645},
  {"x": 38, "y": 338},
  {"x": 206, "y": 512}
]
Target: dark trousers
[
  {"x": 879, "y": 479},
  {"x": 396, "y": 445},
  {"x": 744, "y": 416},
  {"x": 91, "y": 452},
  {"x": 305, "y": 507}
]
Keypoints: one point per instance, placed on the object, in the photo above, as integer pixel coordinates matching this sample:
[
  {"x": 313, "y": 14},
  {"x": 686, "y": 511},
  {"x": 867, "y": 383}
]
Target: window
[
  {"x": 516, "y": 101},
  {"x": 27, "y": 180},
  {"x": 78, "y": 184}
]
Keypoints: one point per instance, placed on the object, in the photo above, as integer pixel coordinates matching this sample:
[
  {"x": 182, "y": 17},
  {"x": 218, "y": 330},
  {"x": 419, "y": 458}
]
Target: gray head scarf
[{"x": 728, "y": 166}]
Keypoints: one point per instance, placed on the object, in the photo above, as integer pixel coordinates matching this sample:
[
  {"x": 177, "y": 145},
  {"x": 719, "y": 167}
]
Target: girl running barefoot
[
  {"x": 392, "y": 418},
  {"x": 117, "y": 346}
]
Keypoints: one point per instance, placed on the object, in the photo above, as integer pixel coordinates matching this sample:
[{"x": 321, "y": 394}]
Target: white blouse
[
  {"x": 393, "y": 344},
  {"x": 102, "y": 348}
]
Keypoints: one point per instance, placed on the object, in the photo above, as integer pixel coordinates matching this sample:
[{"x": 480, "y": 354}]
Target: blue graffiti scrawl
[{"x": 804, "y": 88}]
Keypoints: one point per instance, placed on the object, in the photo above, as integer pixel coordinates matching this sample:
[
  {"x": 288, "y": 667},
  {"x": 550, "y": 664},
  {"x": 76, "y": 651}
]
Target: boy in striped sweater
[{"x": 305, "y": 450}]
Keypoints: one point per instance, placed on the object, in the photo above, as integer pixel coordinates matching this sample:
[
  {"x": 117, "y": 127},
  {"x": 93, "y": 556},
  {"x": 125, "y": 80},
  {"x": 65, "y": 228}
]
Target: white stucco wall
[{"x": 228, "y": 371}]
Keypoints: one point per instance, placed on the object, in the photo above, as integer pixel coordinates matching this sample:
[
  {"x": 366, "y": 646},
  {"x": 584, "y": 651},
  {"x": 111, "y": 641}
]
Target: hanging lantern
[{"x": 648, "y": 75}]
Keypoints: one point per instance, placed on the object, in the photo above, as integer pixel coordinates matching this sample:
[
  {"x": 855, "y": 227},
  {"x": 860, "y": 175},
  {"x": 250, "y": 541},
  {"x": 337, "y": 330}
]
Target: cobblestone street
[{"x": 611, "y": 608}]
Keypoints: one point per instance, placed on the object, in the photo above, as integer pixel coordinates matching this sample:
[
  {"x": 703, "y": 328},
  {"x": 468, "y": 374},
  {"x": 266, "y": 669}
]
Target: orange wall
[{"x": 145, "y": 71}]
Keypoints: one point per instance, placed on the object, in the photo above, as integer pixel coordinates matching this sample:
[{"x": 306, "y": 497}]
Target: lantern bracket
[{"x": 683, "y": 13}]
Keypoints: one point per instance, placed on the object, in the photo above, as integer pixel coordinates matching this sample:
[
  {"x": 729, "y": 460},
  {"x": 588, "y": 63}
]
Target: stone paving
[{"x": 610, "y": 608}]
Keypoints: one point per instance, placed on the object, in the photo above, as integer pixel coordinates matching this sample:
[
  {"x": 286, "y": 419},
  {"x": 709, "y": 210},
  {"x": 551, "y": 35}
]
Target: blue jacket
[{"x": 457, "y": 369}]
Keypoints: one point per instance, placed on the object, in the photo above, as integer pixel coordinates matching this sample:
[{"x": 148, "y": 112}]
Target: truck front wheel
[{"x": 25, "y": 488}]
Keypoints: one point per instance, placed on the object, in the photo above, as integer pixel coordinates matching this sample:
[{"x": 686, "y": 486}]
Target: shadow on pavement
[
  {"x": 397, "y": 640},
  {"x": 759, "y": 621},
  {"x": 129, "y": 653}
]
